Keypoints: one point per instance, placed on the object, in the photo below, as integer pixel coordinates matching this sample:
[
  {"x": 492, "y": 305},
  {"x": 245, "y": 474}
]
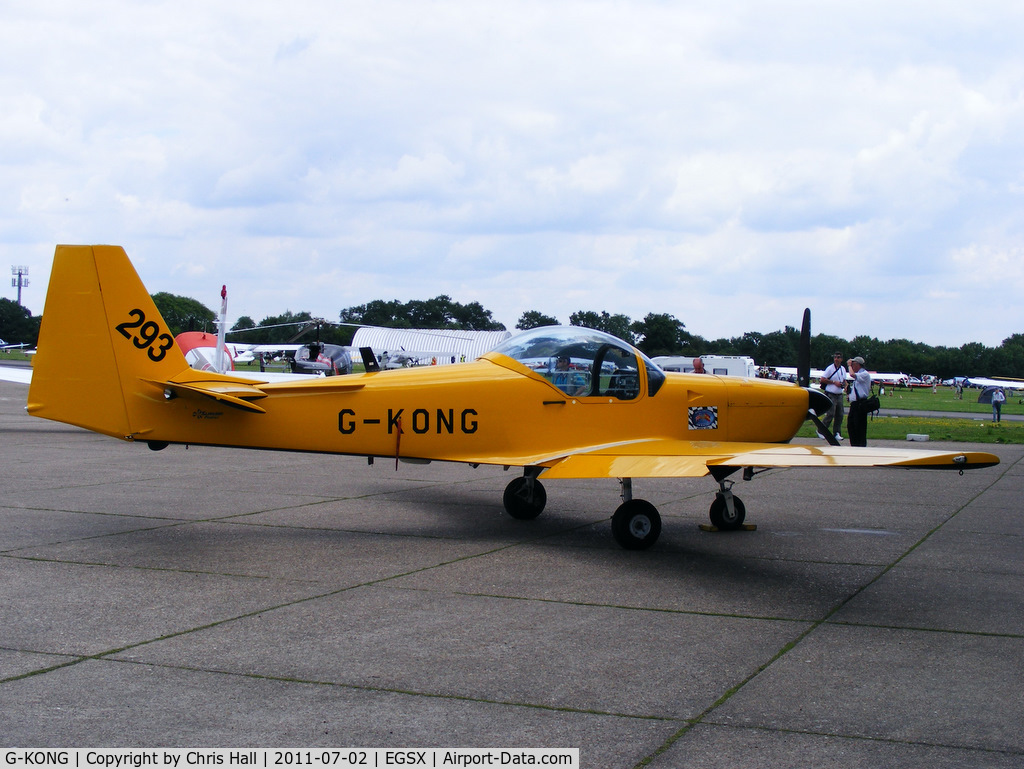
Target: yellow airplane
[{"x": 559, "y": 402}]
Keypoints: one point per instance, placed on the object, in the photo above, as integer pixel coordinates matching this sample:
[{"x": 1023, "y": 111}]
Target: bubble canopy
[{"x": 609, "y": 365}]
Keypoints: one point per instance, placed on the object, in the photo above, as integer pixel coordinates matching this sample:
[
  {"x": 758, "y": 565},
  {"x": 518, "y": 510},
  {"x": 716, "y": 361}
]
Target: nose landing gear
[{"x": 727, "y": 511}]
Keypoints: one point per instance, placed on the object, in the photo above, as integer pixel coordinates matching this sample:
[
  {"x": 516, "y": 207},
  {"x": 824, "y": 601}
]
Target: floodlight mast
[{"x": 20, "y": 271}]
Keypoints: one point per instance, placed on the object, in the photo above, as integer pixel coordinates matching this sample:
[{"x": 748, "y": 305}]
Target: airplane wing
[
  {"x": 677, "y": 459},
  {"x": 270, "y": 347},
  {"x": 1009, "y": 384}
]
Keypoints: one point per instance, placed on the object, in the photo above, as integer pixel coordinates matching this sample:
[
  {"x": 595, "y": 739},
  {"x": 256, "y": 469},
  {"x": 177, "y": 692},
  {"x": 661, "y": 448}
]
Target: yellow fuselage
[
  {"x": 135, "y": 384},
  {"x": 493, "y": 410}
]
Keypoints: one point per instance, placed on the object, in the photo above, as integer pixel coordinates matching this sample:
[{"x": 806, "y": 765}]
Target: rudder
[{"x": 101, "y": 334}]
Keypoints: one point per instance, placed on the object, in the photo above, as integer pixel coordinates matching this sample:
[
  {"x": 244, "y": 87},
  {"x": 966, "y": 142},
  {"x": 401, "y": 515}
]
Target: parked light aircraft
[
  {"x": 628, "y": 419},
  {"x": 201, "y": 353},
  {"x": 876, "y": 377},
  {"x": 322, "y": 359},
  {"x": 18, "y": 374},
  {"x": 247, "y": 353},
  {"x": 1005, "y": 382},
  {"x": 404, "y": 347},
  {"x": 894, "y": 379},
  {"x": 405, "y": 358},
  {"x": 400, "y": 359},
  {"x": 211, "y": 352}
]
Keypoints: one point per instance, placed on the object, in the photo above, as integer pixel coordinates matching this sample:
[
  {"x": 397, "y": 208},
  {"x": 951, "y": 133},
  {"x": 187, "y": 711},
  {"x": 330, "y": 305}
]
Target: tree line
[
  {"x": 663, "y": 334},
  {"x": 656, "y": 334}
]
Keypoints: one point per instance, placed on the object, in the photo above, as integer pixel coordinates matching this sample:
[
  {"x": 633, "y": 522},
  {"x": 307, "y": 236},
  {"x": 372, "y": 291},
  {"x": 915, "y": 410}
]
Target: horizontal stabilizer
[
  {"x": 238, "y": 395},
  {"x": 240, "y": 392},
  {"x": 315, "y": 385}
]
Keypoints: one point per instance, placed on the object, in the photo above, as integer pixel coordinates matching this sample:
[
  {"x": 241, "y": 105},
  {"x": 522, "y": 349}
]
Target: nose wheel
[{"x": 727, "y": 512}]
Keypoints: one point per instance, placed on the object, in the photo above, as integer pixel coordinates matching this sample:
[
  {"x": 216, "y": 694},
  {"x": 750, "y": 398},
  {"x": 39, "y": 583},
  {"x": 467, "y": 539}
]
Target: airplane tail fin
[{"x": 102, "y": 345}]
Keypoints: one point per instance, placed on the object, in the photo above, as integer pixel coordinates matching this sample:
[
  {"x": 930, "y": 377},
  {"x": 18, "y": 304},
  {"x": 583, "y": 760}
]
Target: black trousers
[{"x": 857, "y": 424}]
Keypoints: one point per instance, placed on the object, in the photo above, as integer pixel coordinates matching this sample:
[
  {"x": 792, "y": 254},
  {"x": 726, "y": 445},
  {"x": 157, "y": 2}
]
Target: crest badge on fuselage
[{"x": 703, "y": 417}]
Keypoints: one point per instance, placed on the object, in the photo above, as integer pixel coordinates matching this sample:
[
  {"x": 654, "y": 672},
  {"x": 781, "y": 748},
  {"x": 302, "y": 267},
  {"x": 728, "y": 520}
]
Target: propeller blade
[
  {"x": 803, "y": 355},
  {"x": 818, "y": 403}
]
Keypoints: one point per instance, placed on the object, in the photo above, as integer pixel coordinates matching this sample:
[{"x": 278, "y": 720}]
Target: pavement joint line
[
  {"x": 718, "y": 615},
  {"x": 539, "y": 539},
  {"x": 814, "y": 561},
  {"x": 98, "y": 484},
  {"x": 33, "y": 651},
  {"x": 953, "y": 569},
  {"x": 866, "y": 738},
  {"x": 825, "y": 620},
  {"x": 397, "y": 690},
  {"x": 20, "y": 508},
  {"x": 165, "y": 569},
  {"x": 334, "y": 530},
  {"x": 729, "y": 693},
  {"x": 244, "y": 615},
  {"x": 595, "y": 605},
  {"x": 105, "y": 654},
  {"x": 917, "y": 629},
  {"x": 329, "y": 529},
  {"x": 377, "y": 533},
  {"x": 171, "y": 523},
  {"x": 468, "y": 556},
  {"x": 14, "y": 552},
  {"x": 41, "y": 671},
  {"x": 945, "y": 521}
]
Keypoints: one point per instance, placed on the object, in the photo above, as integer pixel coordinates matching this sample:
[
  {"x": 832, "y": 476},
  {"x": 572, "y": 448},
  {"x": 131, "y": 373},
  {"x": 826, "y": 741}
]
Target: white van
[{"x": 720, "y": 365}]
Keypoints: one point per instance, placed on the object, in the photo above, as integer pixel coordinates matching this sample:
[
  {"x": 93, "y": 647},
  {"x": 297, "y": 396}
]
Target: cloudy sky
[{"x": 729, "y": 163}]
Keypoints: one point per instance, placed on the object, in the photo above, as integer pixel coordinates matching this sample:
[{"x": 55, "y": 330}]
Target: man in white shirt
[
  {"x": 998, "y": 399},
  {"x": 833, "y": 383},
  {"x": 860, "y": 391}
]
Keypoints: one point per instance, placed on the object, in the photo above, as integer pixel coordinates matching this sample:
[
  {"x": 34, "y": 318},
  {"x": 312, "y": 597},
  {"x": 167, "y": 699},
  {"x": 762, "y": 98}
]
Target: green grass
[
  {"x": 937, "y": 429},
  {"x": 944, "y": 399},
  {"x": 978, "y": 428}
]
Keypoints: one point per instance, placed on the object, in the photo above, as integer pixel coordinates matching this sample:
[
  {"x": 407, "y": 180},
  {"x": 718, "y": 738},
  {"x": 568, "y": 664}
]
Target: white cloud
[{"x": 726, "y": 163}]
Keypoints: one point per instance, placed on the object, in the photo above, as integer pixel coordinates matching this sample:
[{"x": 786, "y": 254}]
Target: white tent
[{"x": 424, "y": 346}]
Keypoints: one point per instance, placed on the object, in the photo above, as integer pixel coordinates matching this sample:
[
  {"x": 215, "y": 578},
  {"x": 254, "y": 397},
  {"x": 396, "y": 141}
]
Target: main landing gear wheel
[
  {"x": 636, "y": 525},
  {"x": 722, "y": 518},
  {"x": 524, "y": 498}
]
